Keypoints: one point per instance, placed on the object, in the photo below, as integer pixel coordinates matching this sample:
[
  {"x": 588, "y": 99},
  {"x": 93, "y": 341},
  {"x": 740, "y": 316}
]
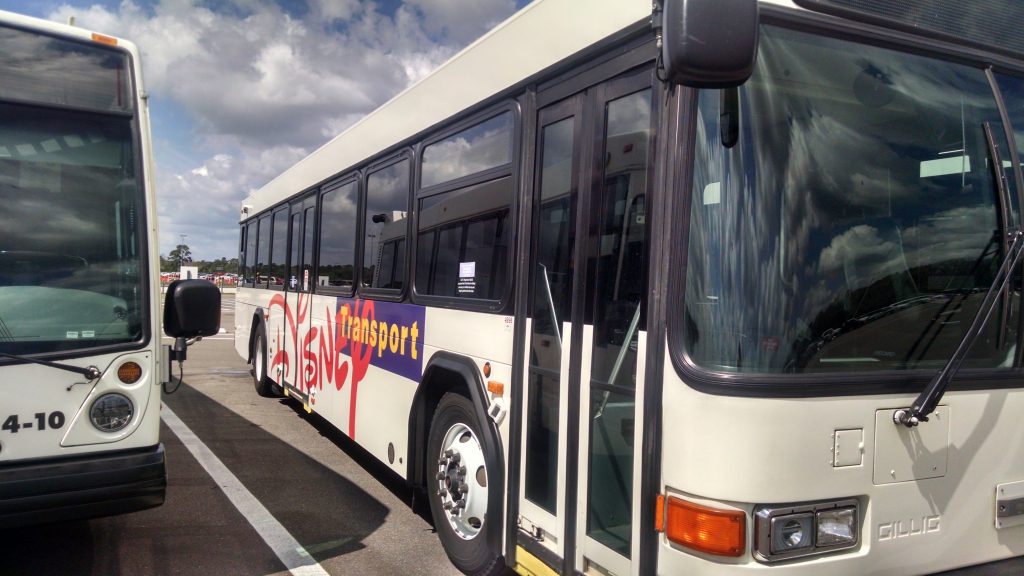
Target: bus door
[
  {"x": 302, "y": 227},
  {"x": 585, "y": 336}
]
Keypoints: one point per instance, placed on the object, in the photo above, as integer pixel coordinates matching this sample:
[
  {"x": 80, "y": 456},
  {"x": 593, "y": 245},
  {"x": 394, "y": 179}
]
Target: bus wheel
[
  {"x": 457, "y": 486},
  {"x": 263, "y": 384}
]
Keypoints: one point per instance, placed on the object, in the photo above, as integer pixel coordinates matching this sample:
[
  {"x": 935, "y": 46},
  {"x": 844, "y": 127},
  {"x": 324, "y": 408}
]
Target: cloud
[
  {"x": 263, "y": 86},
  {"x": 459, "y": 21}
]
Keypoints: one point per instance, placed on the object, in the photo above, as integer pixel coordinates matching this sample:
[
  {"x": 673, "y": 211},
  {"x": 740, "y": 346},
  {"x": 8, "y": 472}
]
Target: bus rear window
[{"x": 58, "y": 72}]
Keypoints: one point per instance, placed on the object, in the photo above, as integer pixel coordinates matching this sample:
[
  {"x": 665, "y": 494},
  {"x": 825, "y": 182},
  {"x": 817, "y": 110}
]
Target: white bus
[
  {"x": 726, "y": 287},
  {"x": 81, "y": 365}
]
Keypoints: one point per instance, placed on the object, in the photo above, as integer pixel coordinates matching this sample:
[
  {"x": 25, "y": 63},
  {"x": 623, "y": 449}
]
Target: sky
[{"x": 242, "y": 89}]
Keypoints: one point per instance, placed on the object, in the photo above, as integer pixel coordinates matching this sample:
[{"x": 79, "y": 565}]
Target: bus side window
[
  {"x": 279, "y": 248},
  {"x": 464, "y": 237},
  {"x": 262, "y": 251},
  {"x": 385, "y": 227},
  {"x": 464, "y": 228},
  {"x": 250, "y": 252},
  {"x": 337, "y": 240}
]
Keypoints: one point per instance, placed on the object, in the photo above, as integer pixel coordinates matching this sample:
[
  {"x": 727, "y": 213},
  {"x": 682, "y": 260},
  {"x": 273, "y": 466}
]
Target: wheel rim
[
  {"x": 258, "y": 360},
  {"x": 462, "y": 481}
]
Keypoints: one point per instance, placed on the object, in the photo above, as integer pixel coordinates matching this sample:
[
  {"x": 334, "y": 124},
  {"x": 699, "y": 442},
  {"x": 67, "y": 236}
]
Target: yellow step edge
[{"x": 529, "y": 565}]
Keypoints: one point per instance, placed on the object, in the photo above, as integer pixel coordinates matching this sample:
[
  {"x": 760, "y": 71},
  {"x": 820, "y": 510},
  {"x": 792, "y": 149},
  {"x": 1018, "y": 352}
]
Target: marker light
[
  {"x": 111, "y": 412},
  {"x": 708, "y": 530},
  {"x": 104, "y": 39},
  {"x": 129, "y": 372}
]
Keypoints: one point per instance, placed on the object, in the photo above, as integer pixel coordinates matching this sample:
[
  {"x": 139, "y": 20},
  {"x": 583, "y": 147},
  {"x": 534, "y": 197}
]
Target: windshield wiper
[
  {"x": 91, "y": 372},
  {"x": 929, "y": 398}
]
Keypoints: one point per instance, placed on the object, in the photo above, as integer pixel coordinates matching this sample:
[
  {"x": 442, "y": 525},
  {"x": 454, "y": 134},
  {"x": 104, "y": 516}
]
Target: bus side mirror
[
  {"x": 709, "y": 43},
  {"x": 191, "y": 309}
]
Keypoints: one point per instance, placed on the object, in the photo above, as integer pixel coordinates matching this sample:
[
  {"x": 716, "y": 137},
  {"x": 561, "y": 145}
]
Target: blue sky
[{"x": 242, "y": 89}]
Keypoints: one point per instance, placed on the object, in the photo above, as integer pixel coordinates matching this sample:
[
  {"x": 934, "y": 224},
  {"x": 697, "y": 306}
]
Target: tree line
[{"x": 181, "y": 255}]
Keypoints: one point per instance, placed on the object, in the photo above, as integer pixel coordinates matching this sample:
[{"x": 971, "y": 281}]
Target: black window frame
[
  {"x": 258, "y": 270},
  {"x": 355, "y": 176},
  {"x": 817, "y": 385},
  {"x": 510, "y": 170},
  {"x": 244, "y": 270},
  {"x": 278, "y": 209},
  {"x": 362, "y": 290}
]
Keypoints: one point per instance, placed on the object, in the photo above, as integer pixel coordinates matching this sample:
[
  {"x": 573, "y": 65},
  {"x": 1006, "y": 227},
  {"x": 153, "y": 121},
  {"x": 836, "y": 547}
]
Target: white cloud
[{"x": 264, "y": 88}]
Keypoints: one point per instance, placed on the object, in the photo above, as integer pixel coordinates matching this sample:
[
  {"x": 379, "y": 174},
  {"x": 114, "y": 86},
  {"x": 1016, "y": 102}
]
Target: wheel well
[
  {"x": 447, "y": 372},
  {"x": 437, "y": 381},
  {"x": 257, "y": 321}
]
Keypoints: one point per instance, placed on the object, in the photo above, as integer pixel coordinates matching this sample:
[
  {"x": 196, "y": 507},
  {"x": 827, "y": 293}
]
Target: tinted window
[
  {"x": 306, "y": 279},
  {"x": 249, "y": 273},
  {"x": 263, "y": 250},
  {"x": 550, "y": 307},
  {"x": 387, "y": 205},
  {"x": 464, "y": 241},
  {"x": 485, "y": 145},
  {"x": 296, "y": 247},
  {"x": 279, "y": 250},
  {"x": 338, "y": 236},
  {"x": 59, "y": 72},
  {"x": 71, "y": 261},
  {"x": 987, "y": 22},
  {"x": 855, "y": 225}
]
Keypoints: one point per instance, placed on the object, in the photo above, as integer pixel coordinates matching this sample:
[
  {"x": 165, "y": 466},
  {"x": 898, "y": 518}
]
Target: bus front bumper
[
  {"x": 86, "y": 486},
  {"x": 1009, "y": 567}
]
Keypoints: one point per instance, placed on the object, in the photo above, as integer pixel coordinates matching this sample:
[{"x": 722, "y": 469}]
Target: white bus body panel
[
  {"x": 370, "y": 400},
  {"x": 30, "y": 389},
  {"x": 780, "y": 451}
]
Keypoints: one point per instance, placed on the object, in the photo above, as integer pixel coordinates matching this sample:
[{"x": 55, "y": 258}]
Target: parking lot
[{"x": 344, "y": 512}]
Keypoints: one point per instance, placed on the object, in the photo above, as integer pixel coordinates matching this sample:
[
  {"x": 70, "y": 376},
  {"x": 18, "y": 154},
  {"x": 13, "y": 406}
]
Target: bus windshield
[
  {"x": 854, "y": 224},
  {"x": 70, "y": 211}
]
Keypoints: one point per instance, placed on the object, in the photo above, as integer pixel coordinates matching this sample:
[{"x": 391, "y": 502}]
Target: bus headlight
[
  {"x": 796, "y": 530},
  {"x": 111, "y": 412},
  {"x": 837, "y": 527},
  {"x": 792, "y": 532}
]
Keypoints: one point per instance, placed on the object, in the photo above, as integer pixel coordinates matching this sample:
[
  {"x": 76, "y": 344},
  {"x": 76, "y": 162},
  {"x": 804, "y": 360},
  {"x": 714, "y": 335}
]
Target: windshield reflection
[
  {"x": 852, "y": 226},
  {"x": 70, "y": 268}
]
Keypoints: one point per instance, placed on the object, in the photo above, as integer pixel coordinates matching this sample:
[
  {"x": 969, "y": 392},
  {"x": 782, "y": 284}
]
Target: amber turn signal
[
  {"x": 704, "y": 529},
  {"x": 104, "y": 39},
  {"x": 129, "y": 372}
]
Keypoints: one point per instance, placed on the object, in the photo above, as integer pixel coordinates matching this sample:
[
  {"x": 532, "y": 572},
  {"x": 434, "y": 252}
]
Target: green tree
[{"x": 180, "y": 256}]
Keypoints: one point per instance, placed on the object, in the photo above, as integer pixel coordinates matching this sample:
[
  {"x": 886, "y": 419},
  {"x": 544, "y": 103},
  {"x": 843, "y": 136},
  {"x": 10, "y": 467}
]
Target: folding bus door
[
  {"x": 299, "y": 291},
  {"x": 585, "y": 336}
]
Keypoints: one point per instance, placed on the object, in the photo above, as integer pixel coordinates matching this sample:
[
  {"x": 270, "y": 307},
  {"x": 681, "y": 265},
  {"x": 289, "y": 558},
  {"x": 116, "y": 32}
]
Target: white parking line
[{"x": 295, "y": 558}]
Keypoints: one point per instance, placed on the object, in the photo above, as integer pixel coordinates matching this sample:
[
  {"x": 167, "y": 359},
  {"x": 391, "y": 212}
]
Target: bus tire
[
  {"x": 457, "y": 486},
  {"x": 264, "y": 386}
]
